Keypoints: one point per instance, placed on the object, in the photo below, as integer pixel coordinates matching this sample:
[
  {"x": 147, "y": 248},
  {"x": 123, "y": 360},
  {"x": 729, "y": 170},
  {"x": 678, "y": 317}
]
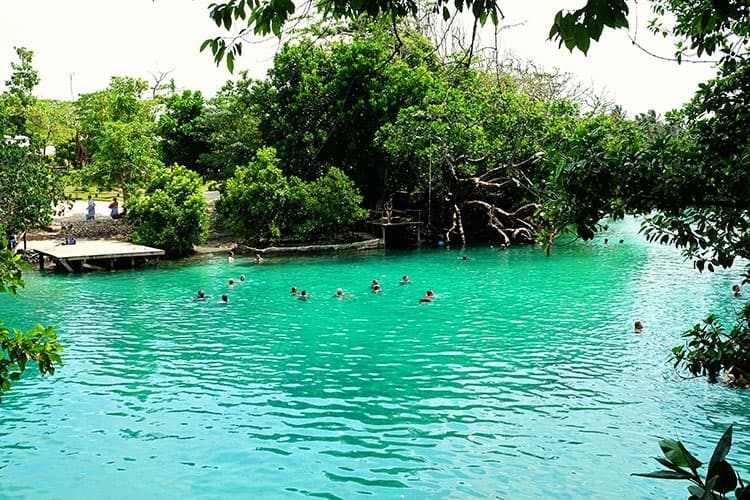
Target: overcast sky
[{"x": 79, "y": 44}]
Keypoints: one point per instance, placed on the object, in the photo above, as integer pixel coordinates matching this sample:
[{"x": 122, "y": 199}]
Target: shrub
[{"x": 171, "y": 212}]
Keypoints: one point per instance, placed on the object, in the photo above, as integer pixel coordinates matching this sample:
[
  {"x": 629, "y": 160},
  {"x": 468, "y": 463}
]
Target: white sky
[{"x": 85, "y": 42}]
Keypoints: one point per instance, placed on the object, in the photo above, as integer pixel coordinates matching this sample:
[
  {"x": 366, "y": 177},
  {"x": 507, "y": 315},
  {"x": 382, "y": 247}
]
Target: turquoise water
[{"x": 523, "y": 379}]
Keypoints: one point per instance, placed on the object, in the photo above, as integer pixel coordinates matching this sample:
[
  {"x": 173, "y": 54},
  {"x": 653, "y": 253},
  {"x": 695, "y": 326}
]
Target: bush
[
  {"x": 171, "y": 212},
  {"x": 708, "y": 348},
  {"x": 255, "y": 199},
  {"x": 260, "y": 203}
]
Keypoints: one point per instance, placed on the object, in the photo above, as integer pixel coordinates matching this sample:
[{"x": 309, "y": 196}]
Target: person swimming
[
  {"x": 231, "y": 282},
  {"x": 428, "y": 297},
  {"x": 295, "y": 291},
  {"x": 242, "y": 277},
  {"x": 638, "y": 327},
  {"x": 339, "y": 293},
  {"x": 230, "y": 258},
  {"x": 374, "y": 284},
  {"x": 303, "y": 295},
  {"x": 376, "y": 288},
  {"x": 258, "y": 259},
  {"x": 736, "y": 290},
  {"x": 404, "y": 280},
  {"x": 224, "y": 299},
  {"x": 201, "y": 295}
]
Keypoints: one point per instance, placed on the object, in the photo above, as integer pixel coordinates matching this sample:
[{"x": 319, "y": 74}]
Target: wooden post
[{"x": 41, "y": 261}]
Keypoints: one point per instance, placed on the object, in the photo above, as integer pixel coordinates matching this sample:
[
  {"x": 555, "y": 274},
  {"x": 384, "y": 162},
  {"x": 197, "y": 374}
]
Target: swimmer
[
  {"x": 230, "y": 258},
  {"x": 374, "y": 284},
  {"x": 736, "y": 290},
  {"x": 303, "y": 295},
  {"x": 224, "y": 299},
  {"x": 735, "y": 377},
  {"x": 405, "y": 280},
  {"x": 376, "y": 288},
  {"x": 242, "y": 277},
  {"x": 428, "y": 297},
  {"x": 295, "y": 291},
  {"x": 638, "y": 327},
  {"x": 231, "y": 282},
  {"x": 339, "y": 293},
  {"x": 258, "y": 259},
  {"x": 463, "y": 257},
  {"x": 200, "y": 296}
]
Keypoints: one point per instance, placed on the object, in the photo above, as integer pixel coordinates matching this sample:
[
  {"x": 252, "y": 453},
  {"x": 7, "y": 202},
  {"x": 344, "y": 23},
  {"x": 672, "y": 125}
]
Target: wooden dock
[{"x": 94, "y": 254}]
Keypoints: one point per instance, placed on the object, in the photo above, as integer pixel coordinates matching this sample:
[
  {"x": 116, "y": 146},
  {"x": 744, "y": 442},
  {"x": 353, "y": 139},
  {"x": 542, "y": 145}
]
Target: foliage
[
  {"x": 332, "y": 203},
  {"x": 29, "y": 186},
  {"x": 255, "y": 200},
  {"x": 261, "y": 203},
  {"x": 325, "y": 103},
  {"x": 50, "y": 123},
  {"x": 126, "y": 155},
  {"x": 229, "y": 124},
  {"x": 708, "y": 348},
  {"x": 18, "y": 97},
  {"x": 183, "y": 138},
  {"x": 720, "y": 477},
  {"x": 118, "y": 131},
  {"x": 575, "y": 28},
  {"x": 17, "y": 347},
  {"x": 170, "y": 212}
]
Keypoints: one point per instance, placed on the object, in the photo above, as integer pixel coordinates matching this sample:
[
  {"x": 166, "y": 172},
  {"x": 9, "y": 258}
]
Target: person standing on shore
[
  {"x": 114, "y": 209},
  {"x": 90, "y": 209}
]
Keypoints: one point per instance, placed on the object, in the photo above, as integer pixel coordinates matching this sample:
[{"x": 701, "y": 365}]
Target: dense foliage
[
  {"x": 261, "y": 203},
  {"x": 170, "y": 212},
  {"x": 709, "y": 348}
]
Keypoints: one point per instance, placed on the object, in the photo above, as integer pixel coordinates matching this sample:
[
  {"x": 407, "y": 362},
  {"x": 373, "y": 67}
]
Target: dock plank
[{"x": 96, "y": 249}]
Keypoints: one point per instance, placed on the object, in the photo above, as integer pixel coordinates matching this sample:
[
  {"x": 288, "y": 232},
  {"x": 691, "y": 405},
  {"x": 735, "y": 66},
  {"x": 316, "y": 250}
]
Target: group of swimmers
[{"x": 429, "y": 295}]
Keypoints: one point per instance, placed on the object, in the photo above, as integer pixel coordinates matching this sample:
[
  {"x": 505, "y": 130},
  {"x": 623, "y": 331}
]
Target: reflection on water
[{"x": 522, "y": 379}]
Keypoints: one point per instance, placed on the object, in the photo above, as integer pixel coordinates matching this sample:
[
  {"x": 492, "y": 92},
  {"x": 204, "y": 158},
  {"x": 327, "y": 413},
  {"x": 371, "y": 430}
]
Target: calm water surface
[{"x": 522, "y": 380}]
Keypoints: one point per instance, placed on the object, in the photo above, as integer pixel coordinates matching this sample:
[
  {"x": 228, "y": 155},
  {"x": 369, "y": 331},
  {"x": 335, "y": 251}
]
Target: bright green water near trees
[{"x": 522, "y": 380}]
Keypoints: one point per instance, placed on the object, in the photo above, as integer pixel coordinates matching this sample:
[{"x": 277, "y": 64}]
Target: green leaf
[
  {"x": 582, "y": 39},
  {"x": 677, "y": 454},
  {"x": 660, "y": 474},
  {"x": 722, "y": 449},
  {"x": 726, "y": 478}
]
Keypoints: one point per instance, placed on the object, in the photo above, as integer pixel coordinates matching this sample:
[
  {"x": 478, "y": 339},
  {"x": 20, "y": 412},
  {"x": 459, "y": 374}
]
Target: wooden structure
[
  {"x": 96, "y": 254},
  {"x": 395, "y": 229}
]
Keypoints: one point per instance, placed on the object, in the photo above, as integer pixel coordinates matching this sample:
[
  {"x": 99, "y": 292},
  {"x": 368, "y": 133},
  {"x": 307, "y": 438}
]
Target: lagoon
[{"x": 523, "y": 379}]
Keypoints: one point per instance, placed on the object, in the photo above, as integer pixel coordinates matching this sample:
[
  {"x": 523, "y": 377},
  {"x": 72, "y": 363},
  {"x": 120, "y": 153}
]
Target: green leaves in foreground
[
  {"x": 720, "y": 477},
  {"x": 17, "y": 348}
]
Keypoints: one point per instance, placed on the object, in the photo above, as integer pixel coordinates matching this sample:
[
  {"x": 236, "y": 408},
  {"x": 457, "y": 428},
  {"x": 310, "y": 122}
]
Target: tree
[
  {"x": 183, "y": 136},
  {"x": 324, "y": 103},
  {"x": 170, "y": 212},
  {"x": 118, "y": 130},
  {"x": 19, "y": 89},
  {"x": 229, "y": 125},
  {"x": 29, "y": 186},
  {"x": 574, "y": 29}
]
